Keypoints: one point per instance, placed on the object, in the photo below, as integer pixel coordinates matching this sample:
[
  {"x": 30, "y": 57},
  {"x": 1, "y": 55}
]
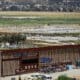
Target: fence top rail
[{"x": 22, "y": 50}]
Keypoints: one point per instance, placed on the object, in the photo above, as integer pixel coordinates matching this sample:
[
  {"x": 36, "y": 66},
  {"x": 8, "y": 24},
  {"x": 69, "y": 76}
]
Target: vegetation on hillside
[
  {"x": 38, "y": 18},
  {"x": 14, "y": 38}
]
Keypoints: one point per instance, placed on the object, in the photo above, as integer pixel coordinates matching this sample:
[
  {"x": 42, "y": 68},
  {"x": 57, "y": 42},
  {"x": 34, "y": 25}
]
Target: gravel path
[{"x": 70, "y": 73}]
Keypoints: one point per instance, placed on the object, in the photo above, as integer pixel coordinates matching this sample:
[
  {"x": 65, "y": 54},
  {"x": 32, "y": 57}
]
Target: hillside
[{"x": 40, "y": 5}]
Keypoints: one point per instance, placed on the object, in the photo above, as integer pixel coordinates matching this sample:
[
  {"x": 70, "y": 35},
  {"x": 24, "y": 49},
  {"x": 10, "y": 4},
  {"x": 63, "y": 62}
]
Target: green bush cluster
[{"x": 63, "y": 77}]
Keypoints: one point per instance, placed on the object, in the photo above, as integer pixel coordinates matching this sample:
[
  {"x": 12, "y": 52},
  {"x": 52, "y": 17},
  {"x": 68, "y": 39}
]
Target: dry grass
[{"x": 41, "y": 14}]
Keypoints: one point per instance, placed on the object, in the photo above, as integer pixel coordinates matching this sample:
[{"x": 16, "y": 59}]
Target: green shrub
[{"x": 63, "y": 77}]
